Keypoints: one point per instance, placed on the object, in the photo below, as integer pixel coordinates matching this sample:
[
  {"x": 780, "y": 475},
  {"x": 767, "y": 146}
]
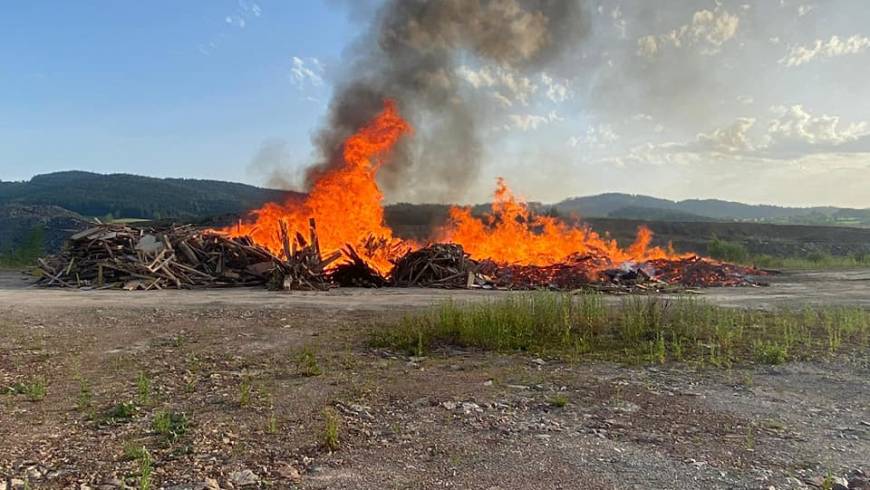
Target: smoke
[
  {"x": 272, "y": 163},
  {"x": 411, "y": 53}
]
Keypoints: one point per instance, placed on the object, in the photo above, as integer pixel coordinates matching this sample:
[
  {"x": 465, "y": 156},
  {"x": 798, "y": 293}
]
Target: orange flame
[
  {"x": 346, "y": 201},
  {"x": 512, "y": 233},
  {"x": 347, "y": 204}
]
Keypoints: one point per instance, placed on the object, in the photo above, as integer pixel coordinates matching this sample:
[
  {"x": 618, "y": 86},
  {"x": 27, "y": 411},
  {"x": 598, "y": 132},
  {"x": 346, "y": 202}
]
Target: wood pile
[
  {"x": 179, "y": 257},
  {"x": 303, "y": 267},
  {"x": 443, "y": 265},
  {"x": 356, "y": 272}
]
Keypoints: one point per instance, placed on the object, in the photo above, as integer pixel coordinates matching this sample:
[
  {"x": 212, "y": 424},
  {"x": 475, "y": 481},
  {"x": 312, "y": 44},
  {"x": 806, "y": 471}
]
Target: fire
[
  {"x": 347, "y": 205},
  {"x": 513, "y": 234},
  {"x": 346, "y": 202}
]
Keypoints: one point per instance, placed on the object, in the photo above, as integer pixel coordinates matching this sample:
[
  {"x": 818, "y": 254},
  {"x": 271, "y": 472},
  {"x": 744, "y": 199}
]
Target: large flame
[
  {"x": 347, "y": 205},
  {"x": 512, "y": 233},
  {"x": 346, "y": 201}
]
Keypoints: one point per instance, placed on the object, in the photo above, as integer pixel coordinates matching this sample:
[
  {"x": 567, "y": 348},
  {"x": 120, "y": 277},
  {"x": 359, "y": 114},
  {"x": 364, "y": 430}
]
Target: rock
[
  {"x": 487, "y": 382},
  {"x": 859, "y": 483},
  {"x": 538, "y": 361},
  {"x": 840, "y": 483},
  {"x": 244, "y": 478},
  {"x": 211, "y": 484},
  {"x": 469, "y": 407},
  {"x": 289, "y": 472},
  {"x": 449, "y": 405}
]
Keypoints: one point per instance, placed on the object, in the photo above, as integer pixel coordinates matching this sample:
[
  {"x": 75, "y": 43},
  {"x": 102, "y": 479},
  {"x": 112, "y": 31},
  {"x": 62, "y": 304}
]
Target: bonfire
[{"x": 510, "y": 247}]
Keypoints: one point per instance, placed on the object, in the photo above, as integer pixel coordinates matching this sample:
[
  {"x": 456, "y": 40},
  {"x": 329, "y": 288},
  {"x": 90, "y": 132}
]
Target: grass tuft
[
  {"x": 306, "y": 363},
  {"x": 559, "y": 400},
  {"x": 331, "y": 427},
  {"x": 170, "y": 425},
  {"x": 639, "y": 329}
]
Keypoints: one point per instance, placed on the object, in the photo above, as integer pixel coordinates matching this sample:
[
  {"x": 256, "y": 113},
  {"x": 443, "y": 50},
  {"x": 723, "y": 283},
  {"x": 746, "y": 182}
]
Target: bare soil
[{"x": 462, "y": 419}]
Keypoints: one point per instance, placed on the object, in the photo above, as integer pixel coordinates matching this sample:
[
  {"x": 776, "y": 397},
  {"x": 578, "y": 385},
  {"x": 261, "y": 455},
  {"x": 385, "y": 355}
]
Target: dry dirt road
[{"x": 255, "y": 412}]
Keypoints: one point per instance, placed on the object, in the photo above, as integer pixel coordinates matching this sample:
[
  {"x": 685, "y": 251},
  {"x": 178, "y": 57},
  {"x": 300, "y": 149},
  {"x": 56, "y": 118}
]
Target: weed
[
  {"x": 331, "y": 427},
  {"x": 145, "y": 468},
  {"x": 272, "y": 424},
  {"x": 85, "y": 400},
  {"x": 133, "y": 451},
  {"x": 559, "y": 400},
  {"x": 246, "y": 388},
  {"x": 306, "y": 363},
  {"x": 143, "y": 389},
  {"x": 639, "y": 329},
  {"x": 170, "y": 425},
  {"x": 122, "y": 412},
  {"x": 770, "y": 353},
  {"x": 750, "y": 438},
  {"x": 35, "y": 389}
]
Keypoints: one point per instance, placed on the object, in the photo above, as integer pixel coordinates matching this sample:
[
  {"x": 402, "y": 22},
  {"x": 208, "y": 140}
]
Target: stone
[
  {"x": 244, "y": 478},
  {"x": 211, "y": 484}
]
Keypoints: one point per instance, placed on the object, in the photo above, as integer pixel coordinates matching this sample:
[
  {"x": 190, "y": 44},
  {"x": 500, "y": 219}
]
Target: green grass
[
  {"x": 331, "y": 428},
  {"x": 35, "y": 389},
  {"x": 306, "y": 363},
  {"x": 120, "y": 413},
  {"x": 737, "y": 253},
  {"x": 170, "y": 425},
  {"x": 145, "y": 469},
  {"x": 639, "y": 329},
  {"x": 559, "y": 400},
  {"x": 143, "y": 389},
  {"x": 246, "y": 391}
]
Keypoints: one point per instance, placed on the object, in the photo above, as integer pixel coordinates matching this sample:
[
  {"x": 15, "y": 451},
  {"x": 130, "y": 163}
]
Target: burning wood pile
[{"x": 181, "y": 257}]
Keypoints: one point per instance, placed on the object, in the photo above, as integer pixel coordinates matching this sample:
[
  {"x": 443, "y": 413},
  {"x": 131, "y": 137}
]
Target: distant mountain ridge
[
  {"x": 629, "y": 206},
  {"x": 133, "y": 196}
]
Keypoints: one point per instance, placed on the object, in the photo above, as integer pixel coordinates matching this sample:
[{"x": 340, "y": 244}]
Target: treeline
[
  {"x": 32, "y": 247},
  {"x": 131, "y": 196}
]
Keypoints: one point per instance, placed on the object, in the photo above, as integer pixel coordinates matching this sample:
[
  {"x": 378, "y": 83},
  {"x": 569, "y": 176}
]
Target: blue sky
[
  {"x": 165, "y": 88},
  {"x": 761, "y": 102}
]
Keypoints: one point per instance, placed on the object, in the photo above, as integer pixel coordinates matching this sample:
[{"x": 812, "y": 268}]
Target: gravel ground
[{"x": 461, "y": 419}]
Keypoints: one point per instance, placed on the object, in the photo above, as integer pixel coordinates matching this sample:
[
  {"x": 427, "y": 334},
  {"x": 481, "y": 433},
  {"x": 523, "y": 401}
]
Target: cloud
[
  {"x": 530, "y": 122},
  {"x": 304, "y": 73},
  {"x": 795, "y": 125},
  {"x": 597, "y": 137},
  {"x": 709, "y": 30},
  {"x": 556, "y": 91},
  {"x": 507, "y": 85},
  {"x": 732, "y": 138},
  {"x": 834, "y": 47},
  {"x": 805, "y": 9}
]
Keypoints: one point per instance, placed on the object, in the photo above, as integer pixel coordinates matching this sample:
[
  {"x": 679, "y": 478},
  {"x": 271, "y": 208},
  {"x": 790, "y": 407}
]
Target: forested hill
[{"x": 133, "y": 196}]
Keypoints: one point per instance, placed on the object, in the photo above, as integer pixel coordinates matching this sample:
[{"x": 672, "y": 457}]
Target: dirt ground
[{"x": 256, "y": 415}]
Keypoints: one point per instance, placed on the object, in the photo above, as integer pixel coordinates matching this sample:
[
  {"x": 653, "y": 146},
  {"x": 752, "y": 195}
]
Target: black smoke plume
[{"x": 410, "y": 54}]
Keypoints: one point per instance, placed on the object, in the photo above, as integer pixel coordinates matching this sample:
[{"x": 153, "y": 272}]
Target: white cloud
[
  {"x": 306, "y": 72},
  {"x": 709, "y": 30},
  {"x": 508, "y": 84},
  {"x": 556, "y": 91},
  {"x": 619, "y": 22},
  {"x": 732, "y": 138},
  {"x": 799, "y": 55},
  {"x": 745, "y": 99},
  {"x": 529, "y": 122},
  {"x": 805, "y": 9},
  {"x": 647, "y": 46},
  {"x": 597, "y": 137},
  {"x": 794, "y": 124}
]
